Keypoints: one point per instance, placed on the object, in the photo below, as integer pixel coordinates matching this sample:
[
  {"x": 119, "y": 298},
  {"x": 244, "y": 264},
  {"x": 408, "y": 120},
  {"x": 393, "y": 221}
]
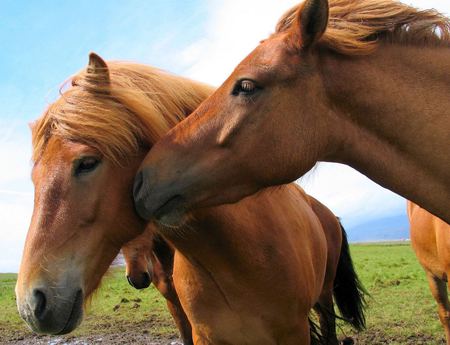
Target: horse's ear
[
  {"x": 311, "y": 22},
  {"x": 97, "y": 69}
]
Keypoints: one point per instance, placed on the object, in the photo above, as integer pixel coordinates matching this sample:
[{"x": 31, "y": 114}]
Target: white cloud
[
  {"x": 234, "y": 28},
  {"x": 16, "y": 192},
  {"x": 351, "y": 195},
  {"x": 15, "y": 215},
  {"x": 15, "y": 153},
  {"x": 440, "y": 5}
]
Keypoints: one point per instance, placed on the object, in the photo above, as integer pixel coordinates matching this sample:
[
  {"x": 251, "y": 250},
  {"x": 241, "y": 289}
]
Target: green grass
[
  {"x": 400, "y": 310},
  {"x": 9, "y": 318}
]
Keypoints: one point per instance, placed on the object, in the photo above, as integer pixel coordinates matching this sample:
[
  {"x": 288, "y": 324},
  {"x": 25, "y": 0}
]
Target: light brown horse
[
  {"x": 87, "y": 147},
  {"x": 149, "y": 259},
  {"x": 364, "y": 83},
  {"x": 430, "y": 239},
  {"x": 141, "y": 256},
  {"x": 244, "y": 273}
]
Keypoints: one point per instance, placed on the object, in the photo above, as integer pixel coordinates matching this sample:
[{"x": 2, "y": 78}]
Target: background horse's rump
[{"x": 430, "y": 239}]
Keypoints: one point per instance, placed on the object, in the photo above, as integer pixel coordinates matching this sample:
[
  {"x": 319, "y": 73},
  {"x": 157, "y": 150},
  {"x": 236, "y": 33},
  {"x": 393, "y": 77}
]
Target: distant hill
[{"x": 381, "y": 229}]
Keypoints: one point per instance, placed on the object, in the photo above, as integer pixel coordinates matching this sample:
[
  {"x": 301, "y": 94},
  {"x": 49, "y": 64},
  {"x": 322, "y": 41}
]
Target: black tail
[{"x": 348, "y": 290}]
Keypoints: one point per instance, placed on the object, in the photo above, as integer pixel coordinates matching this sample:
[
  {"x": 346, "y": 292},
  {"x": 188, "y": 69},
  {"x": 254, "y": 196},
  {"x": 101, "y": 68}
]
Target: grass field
[{"x": 400, "y": 308}]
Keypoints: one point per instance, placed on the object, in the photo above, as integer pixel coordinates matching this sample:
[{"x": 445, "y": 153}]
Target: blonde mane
[
  {"x": 356, "y": 27},
  {"x": 130, "y": 113}
]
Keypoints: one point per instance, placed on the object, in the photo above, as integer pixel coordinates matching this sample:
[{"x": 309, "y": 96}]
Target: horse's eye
[
  {"x": 245, "y": 87},
  {"x": 86, "y": 165}
]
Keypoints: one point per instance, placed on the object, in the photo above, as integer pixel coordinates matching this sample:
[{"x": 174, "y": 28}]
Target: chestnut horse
[
  {"x": 365, "y": 83},
  {"x": 244, "y": 273},
  {"x": 144, "y": 253},
  {"x": 430, "y": 239},
  {"x": 149, "y": 259}
]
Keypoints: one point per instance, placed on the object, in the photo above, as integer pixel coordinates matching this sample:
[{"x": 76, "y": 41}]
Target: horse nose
[
  {"x": 137, "y": 186},
  {"x": 146, "y": 280},
  {"x": 140, "y": 195},
  {"x": 130, "y": 281},
  {"x": 38, "y": 303},
  {"x": 142, "y": 283},
  {"x": 51, "y": 309}
]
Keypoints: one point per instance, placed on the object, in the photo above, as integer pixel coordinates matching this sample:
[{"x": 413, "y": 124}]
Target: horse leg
[
  {"x": 325, "y": 310},
  {"x": 199, "y": 340},
  {"x": 438, "y": 289},
  {"x": 304, "y": 337},
  {"x": 163, "y": 282},
  {"x": 299, "y": 336},
  {"x": 181, "y": 321}
]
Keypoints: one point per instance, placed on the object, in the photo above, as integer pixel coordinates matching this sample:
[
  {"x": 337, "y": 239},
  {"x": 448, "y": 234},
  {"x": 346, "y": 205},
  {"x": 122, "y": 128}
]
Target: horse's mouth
[
  {"x": 75, "y": 314},
  {"x": 172, "y": 212},
  {"x": 173, "y": 205}
]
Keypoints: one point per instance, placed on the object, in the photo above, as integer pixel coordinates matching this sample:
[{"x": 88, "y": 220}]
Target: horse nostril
[
  {"x": 130, "y": 281},
  {"x": 39, "y": 302},
  {"x": 146, "y": 280}
]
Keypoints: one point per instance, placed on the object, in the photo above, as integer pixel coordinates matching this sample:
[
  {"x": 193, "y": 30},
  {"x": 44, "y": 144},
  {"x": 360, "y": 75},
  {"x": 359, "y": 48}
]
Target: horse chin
[
  {"x": 75, "y": 316},
  {"x": 173, "y": 214},
  {"x": 172, "y": 222}
]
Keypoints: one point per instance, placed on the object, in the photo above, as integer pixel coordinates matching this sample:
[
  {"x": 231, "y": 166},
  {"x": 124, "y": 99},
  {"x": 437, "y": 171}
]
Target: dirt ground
[
  {"x": 141, "y": 336},
  {"x": 134, "y": 338},
  {"x": 378, "y": 338},
  {"x": 120, "y": 333},
  {"x": 113, "y": 339}
]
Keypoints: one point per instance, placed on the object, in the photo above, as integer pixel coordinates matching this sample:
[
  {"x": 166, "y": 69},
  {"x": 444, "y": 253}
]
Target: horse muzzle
[
  {"x": 140, "y": 281},
  {"x": 57, "y": 310},
  {"x": 158, "y": 200}
]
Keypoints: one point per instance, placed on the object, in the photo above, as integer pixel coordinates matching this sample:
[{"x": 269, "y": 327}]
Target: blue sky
[{"x": 43, "y": 42}]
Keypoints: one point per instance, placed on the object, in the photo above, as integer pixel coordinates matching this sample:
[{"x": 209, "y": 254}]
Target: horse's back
[{"x": 430, "y": 239}]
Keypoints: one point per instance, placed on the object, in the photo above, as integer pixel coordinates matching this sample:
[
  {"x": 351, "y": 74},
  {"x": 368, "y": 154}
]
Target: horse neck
[
  {"x": 221, "y": 237},
  {"x": 386, "y": 105},
  {"x": 206, "y": 238}
]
